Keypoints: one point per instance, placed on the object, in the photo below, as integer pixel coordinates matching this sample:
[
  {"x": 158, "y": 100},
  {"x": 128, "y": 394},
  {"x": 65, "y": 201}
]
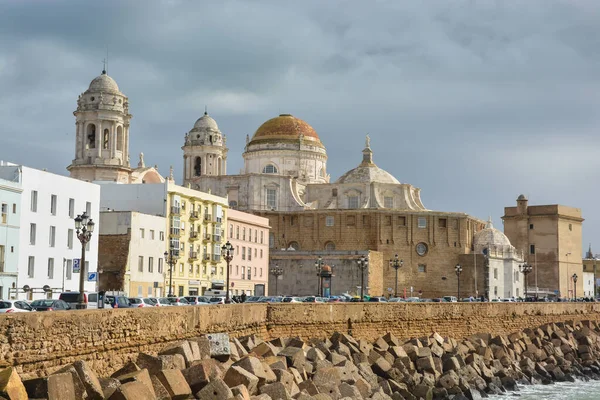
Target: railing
[
  {"x": 175, "y": 253},
  {"x": 216, "y": 238},
  {"x": 193, "y": 255},
  {"x": 216, "y": 257},
  {"x": 207, "y": 236},
  {"x": 175, "y": 231},
  {"x": 193, "y": 214},
  {"x": 193, "y": 235},
  {"x": 175, "y": 210},
  {"x": 207, "y": 217},
  {"x": 206, "y": 257}
]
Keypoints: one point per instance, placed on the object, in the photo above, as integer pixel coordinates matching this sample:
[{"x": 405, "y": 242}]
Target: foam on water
[{"x": 560, "y": 391}]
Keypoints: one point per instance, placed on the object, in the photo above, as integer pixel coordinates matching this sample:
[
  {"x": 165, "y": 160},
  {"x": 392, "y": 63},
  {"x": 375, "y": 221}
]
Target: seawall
[{"x": 38, "y": 343}]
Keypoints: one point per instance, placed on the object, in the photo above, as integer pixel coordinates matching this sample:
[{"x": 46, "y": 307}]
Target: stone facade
[
  {"x": 300, "y": 276},
  {"x": 38, "y": 343},
  {"x": 550, "y": 237},
  {"x": 113, "y": 253}
]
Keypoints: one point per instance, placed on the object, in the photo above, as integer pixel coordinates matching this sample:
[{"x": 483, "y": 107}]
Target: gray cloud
[{"x": 473, "y": 101}]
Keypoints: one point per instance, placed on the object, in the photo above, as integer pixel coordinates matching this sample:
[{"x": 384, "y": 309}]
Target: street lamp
[
  {"x": 458, "y": 270},
  {"x": 396, "y": 264},
  {"x": 525, "y": 269},
  {"x": 575, "y": 286},
  {"x": 170, "y": 260},
  {"x": 318, "y": 267},
  {"x": 84, "y": 227},
  {"x": 228, "y": 251},
  {"x": 363, "y": 263},
  {"x": 276, "y": 272}
]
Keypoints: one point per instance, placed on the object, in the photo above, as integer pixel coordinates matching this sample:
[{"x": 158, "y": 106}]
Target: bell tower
[
  {"x": 204, "y": 151},
  {"x": 102, "y": 133}
]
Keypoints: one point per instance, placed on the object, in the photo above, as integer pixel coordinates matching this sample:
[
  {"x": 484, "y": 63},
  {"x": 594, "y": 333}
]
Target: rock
[
  {"x": 381, "y": 367},
  {"x": 241, "y": 391},
  {"x": 126, "y": 369},
  {"x": 215, "y": 390},
  {"x": 276, "y": 391},
  {"x": 11, "y": 385},
  {"x": 165, "y": 361},
  {"x": 90, "y": 380},
  {"x": 288, "y": 381},
  {"x": 449, "y": 380},
  {"x": 134, "y": 390},
  {"x": 138, "y": 376},
  {"x": 160, "y": 391},
  {"x": 347, "y": 390},
  {"x": 509, "y": 383},
  {"x": 426, "y": 364},
  {"x": 78, "y": 387},
  {"x": 109, "y": 386},
  {"x": 219, "y": 346},
  {"x": 237, "y": 375},
  {"x": 326, "y": 376},
  {"x": 183, "y": 348},
  {"x": 175, "y": 383},
  {"x": 423, "y": 391},
  {"x": 196, "y": 376}
]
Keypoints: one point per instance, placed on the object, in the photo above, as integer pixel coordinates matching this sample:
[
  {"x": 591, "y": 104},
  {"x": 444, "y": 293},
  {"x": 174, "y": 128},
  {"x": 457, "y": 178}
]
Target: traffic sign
[
  {"x": 92, "y": 276},
  {"x": 76, "y": 265}
]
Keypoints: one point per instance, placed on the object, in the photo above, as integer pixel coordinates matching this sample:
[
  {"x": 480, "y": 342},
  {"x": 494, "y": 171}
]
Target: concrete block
[
  {"x": 183, "y": 348},
  {"x": 215, "y": 390},
  {"x": 126, "y": 369},
  {"x": 196, "y": 376},
  {"x": 134, "y": 390},
  {"x": 160, "y": 391},
  {"x": 236, "y": 375},
  {"x": 219, "y": 346},
  {"x": 276, "y": 391},
  {"x": 79, "y": 388},
  {"x": 138, "y": 376},
  {"x": 175, "y": 383},
  {"x": 61, "y": 387},
  {"x": 109, "y": 386},
  {"x": 90, "y": 380},
  {"x": 241, "y": 391},
  {"x": 11, "y": 385}
]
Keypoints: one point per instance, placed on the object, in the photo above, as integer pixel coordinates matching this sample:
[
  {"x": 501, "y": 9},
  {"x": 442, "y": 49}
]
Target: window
[
  {"x": 34, "y": 200},
  {"x": 230, "y": 231},
  {"x": 442, "y": 222},
  {"x": 255, "y": 236},
  {"x": 294, "y": 245},
  {"x": 191, "y": 270},
  {"x": 261, "y": 272},
  {"x": 30, "y": 266},
  {"x": 352, "y": 201},
  {"x": 142, "y": 233},
  {"x": 422, "y": 268},
  {"x": 271, "y": 240},
  {"x": 270, "y": 169},
  {"x": 4, "y": 216},
  {"x": 401, "y": 221},
  {"x": 422, "y": 222},
  {"x": 350, "y": 220},
  {"x": 14, "y": 208},
  {"x": 495, "y": 273},
  {"x": 272, "y": 199},
  {"x": 150, "y": 264},
  {"x": 366, "y": 220},
  {"x": 329, "y": 220},
  {"x": 180, "y": 269},
  {"x": 32, "y": 232},
  {"x": 249, "y": 254},
  {"x": 105, "y": 141},
  {"x": 243, "y": 272},
  {"x": 51, "y": 268},
  {"x": 496, "y": 291},
  {"x": 570, "y": 227},
  {"x": 161, "y": 236},
  {"x": 244, "y": 233},
  {"x": 180, "y": 289},
  {"x": 243, "y": 253},
  {"x": 88, "y": 208},
  {"x": 237, "y": 232},
  {"x": 255, "y": 250},
  {"x": 532, "y": 249},
  {"x": 329, "y": 246},
  {"x": 69, "y": 269},
  {"x": 530, "y": 226},
  {"x": 91, "y": 135},
  {"x": 53, "y": 204},
  {"x": 388, "y": 202},
  {"x": 255, "y": 271},
  {"x": 71, "y": 208},
  {"x": 261, "y": 253},
  {"x": 149, "y": 291},
  {"x": 141, "y": 263},
  {"x": 160, "y": 265},
  {"x": 52, "y": 236},
  {"x": 249, "y": 273},
  {"x": 262, "y": 234},
  {"x": 151, "y": 234}
]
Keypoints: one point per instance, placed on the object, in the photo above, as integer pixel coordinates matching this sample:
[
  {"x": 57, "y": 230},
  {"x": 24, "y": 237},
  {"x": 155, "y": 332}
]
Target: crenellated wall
[{"x": 38, "y": 343}]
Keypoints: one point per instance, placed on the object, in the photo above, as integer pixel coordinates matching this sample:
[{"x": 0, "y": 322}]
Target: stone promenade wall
[{"x": 38, "y": 343}]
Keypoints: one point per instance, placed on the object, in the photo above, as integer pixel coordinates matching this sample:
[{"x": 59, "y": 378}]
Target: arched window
[
  {"x": 294, "y": 245},
  {"x": 91, "y": 136},
  {"x": 233, "y": 204},
  {"x": 105, "y": 139},
  {"x": 322, "y": 172},
  {"x": 198, "y": 166},
  {"x": 270, "y": 169},
  {"x": 120, "y": 138},
  {"x": 329, "y": 246}
]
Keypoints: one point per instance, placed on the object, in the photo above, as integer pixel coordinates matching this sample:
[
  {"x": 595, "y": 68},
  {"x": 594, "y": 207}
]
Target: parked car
[
  {"x": 252, "y": 299},
  {"x": 163, "y": 302},
  {"x": 10, "y": 306},
  {"x": 396, "y": 300},
  {"x": 197, "y": 300},
  {"x": 117, "y": 301},
  {"x": 377, "y": 299},
  {"x": 139, "y": 302},
  {"x": 450, "y": 299},
  {"x": 72, "y": 298},
  {"x": 291, "y": 299},
  {"x": 178, "y": 301},
  {"x": 50, "y": 305},
  {"x": 220, "y": 300}
]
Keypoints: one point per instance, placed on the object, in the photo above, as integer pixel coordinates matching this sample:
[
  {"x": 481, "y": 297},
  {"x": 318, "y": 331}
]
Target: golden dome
[{"x": 285, "y": 126}]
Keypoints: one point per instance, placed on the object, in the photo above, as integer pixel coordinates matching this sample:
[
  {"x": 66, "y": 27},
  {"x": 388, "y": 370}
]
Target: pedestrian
[{"x": 243, "y": 297}]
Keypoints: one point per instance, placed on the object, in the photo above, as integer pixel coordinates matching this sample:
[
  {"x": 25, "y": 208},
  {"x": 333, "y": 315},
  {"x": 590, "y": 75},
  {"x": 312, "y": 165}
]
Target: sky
[{"x": 473, "y": 101}]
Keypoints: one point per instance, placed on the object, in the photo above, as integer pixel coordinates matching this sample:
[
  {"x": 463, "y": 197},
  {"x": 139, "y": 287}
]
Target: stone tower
[
  {"x": 204, "y": 151},
  {"x": 102, "y": 133}
]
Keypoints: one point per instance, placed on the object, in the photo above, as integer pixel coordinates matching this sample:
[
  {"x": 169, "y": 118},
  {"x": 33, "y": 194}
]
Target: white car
[
  {"x": 140, "y": 302},
  {"x": 10, "y": 306},
  {"x": 292, "y": 300}
]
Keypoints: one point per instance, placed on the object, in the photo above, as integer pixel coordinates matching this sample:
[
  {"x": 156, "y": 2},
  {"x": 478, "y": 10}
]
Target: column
[
  {"x": 126, "y": 144},
  {"x": 113, "y": 140},
  {"x": 77, "y": 140}
]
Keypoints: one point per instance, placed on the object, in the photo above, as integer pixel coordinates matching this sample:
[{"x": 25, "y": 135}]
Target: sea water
[{"x": 577, "y": 390}]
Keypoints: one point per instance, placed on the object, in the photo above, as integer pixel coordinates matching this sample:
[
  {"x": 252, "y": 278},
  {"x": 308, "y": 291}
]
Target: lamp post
[
  {"x": 396, "y": 264},
  {"x": 170, "y": 260},
  {"x": 363, "y": 263},
  {"x": 458, "y": 271},
  {"x": 276, "y": 272},
  {"x": 84, "y": 227},
  {"x": 525, "y": 269},
  {"x": 318, "y": 267},
  {"x": 575, "y": 286},
  {"x": 228, "y": 255}
]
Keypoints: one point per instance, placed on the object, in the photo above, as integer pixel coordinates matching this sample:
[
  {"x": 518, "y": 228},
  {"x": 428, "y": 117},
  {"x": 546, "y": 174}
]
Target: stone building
[
  {"x": 590, "y": 277},
  {"x": 550, "y": 238},
  {"x": 285, "y": 180}
]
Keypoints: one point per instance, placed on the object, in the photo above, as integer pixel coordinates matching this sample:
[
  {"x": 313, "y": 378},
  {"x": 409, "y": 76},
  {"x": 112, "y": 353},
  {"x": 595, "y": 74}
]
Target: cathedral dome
[
  {"x": 285, "y": 126},
  {"x": 206, "y": 122},
  {"x": 103, "y": 83},
  {"x": 367, "y": 171},
  {"x": 491, "y": 236}
]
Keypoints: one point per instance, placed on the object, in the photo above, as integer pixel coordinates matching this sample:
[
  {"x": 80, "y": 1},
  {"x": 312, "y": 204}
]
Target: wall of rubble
[{"x": 106, "y": 339}]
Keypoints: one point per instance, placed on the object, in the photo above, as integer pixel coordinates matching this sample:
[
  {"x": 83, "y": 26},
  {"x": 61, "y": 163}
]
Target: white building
[
  {"x": 10, "y": 221},
  {"x": 505, "y": 279},
  {"x": 132, "y": 246},
  {"x": 48, "y": 242},
  {"x": 588, "y": 285}
]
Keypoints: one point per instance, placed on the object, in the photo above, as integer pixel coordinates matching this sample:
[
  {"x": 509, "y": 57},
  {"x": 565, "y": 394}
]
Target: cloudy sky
[{"x": 473, "y": 101}]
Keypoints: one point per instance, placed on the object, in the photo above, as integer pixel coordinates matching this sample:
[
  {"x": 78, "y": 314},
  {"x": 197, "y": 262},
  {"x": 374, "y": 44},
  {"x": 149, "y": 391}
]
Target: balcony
[
  {"x": 193, "y": 236},
  {"x": 175, "y": 253},
  {"x": 175, "y": 232},
  {"x": 206, "y": 257},
  {"x": 175, "y": 210},
  {"x": 207, "y": 217},
  {"x": 219, "y": 220},
  {"x": 193, "y": 255},
  {"x": 193, "y": 215},
  {"x": 207, "y": 237},
  {"x": 216, "y": 257},
  {"x": 216, "y": 238}
]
